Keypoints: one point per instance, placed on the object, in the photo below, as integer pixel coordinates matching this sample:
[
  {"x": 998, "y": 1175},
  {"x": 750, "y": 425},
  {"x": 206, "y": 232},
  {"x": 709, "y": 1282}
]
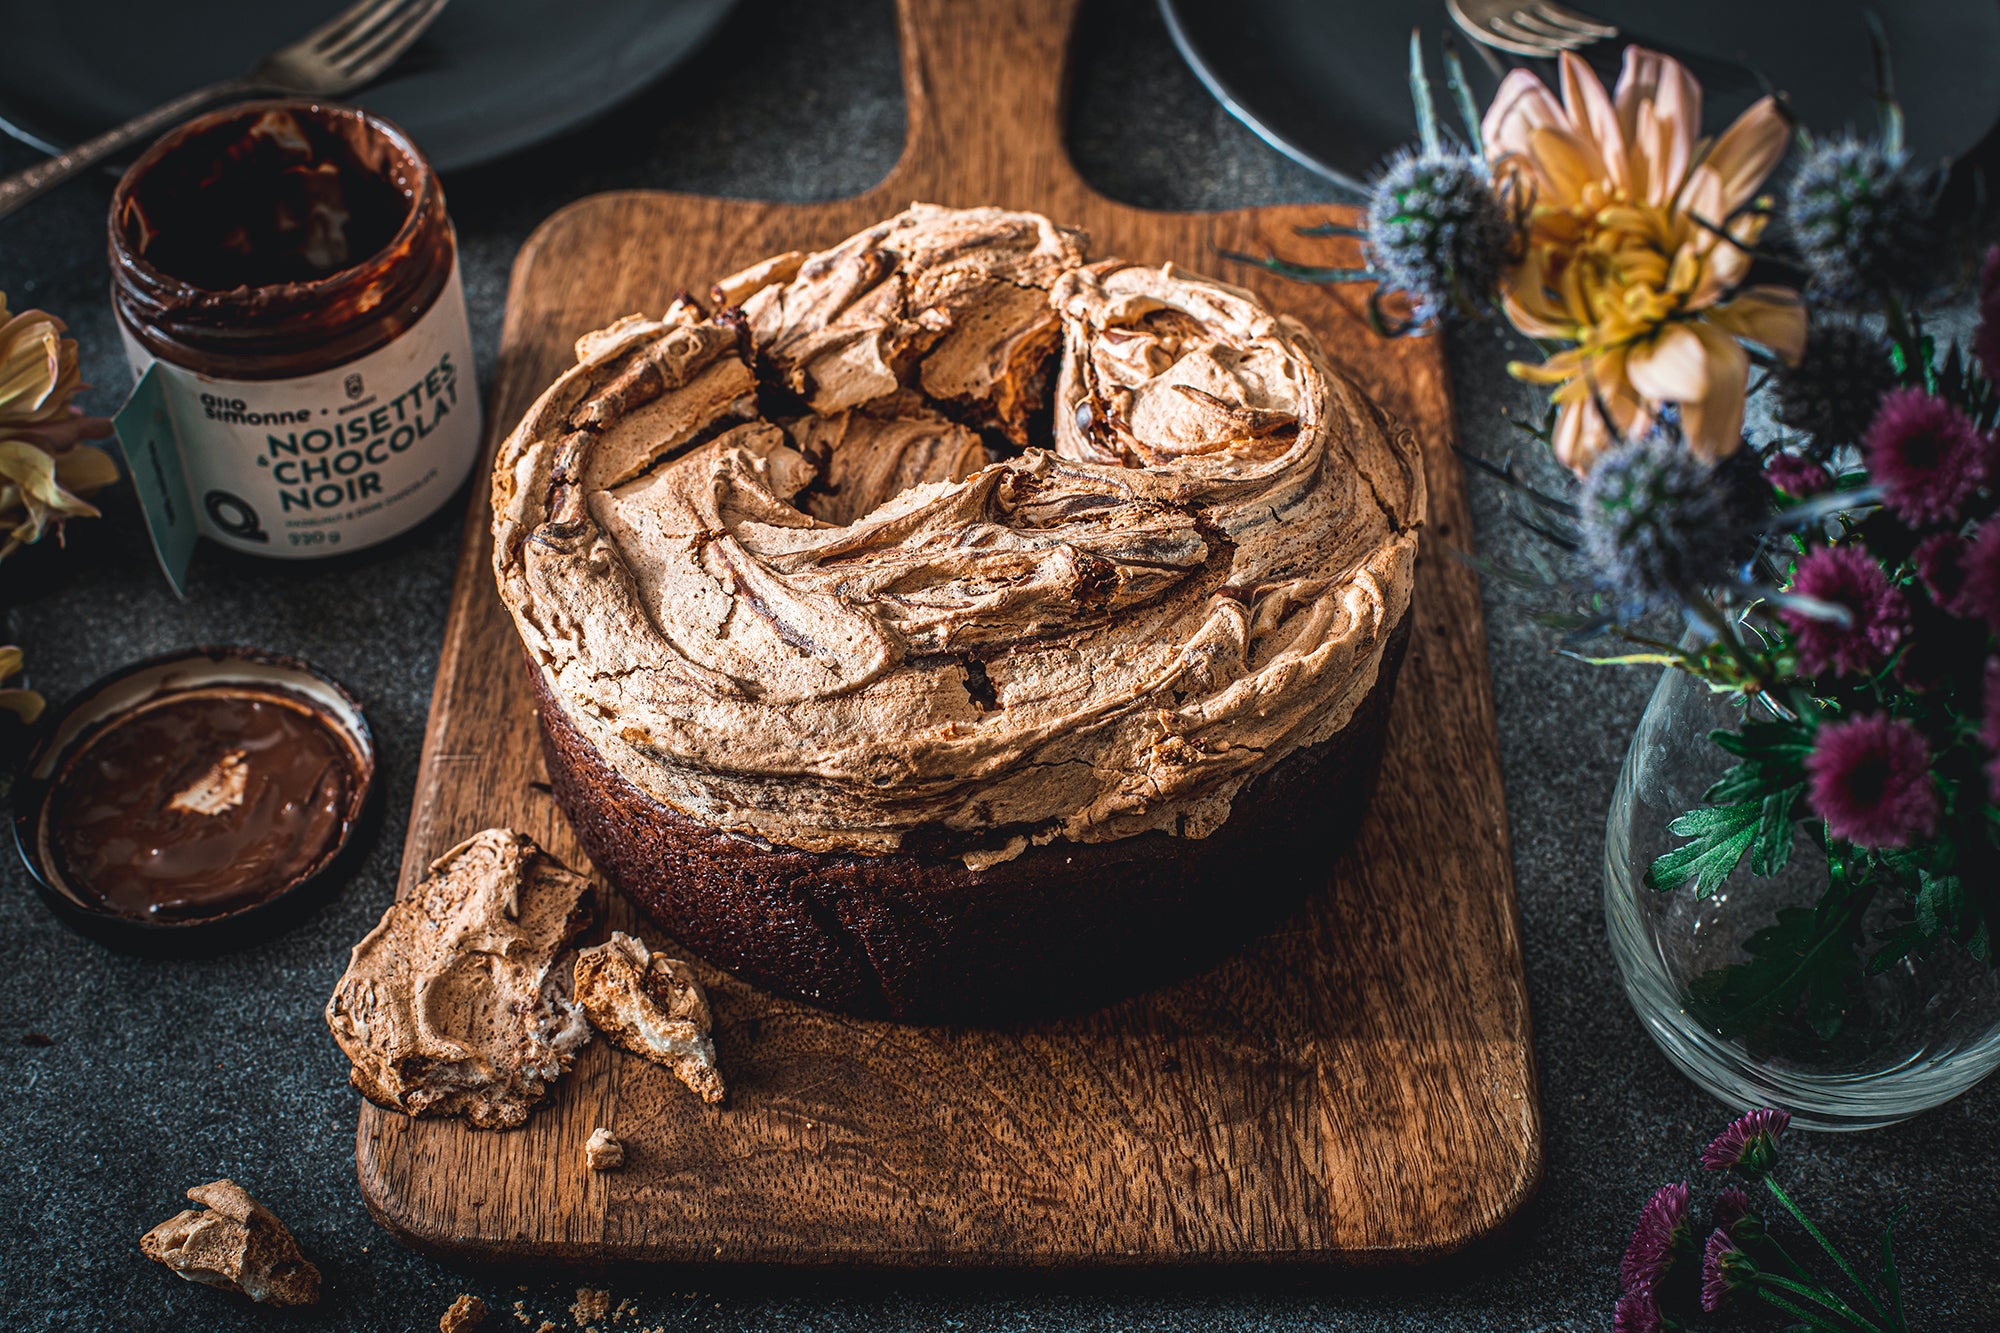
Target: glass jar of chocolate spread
[{"x": 290, "y": 268}]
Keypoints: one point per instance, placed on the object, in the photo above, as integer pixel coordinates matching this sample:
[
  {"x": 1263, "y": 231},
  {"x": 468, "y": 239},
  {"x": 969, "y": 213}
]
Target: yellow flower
[
  {"x": 38, "y": 377},
  {"x": 1637, "y": 245}
]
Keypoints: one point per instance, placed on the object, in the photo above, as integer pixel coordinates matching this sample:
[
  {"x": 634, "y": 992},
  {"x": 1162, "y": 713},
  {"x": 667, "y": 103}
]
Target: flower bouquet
[{"x": 1832, "y": 574}]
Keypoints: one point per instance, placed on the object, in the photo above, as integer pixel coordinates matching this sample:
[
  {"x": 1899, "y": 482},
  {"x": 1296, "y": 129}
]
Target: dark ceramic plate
[
  {"x": 491, "y": 77},
  {"x": 1328, "y": 83}
]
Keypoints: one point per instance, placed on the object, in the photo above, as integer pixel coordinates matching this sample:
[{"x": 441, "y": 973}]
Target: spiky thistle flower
[
  {"x": 1832, "y": 393},
  {"x": 1862, "y": 217},
  {"x": 1986, "y": 338},
  {"x": 1438, "y": 232},
  {"x": 1658, "y": 523}
]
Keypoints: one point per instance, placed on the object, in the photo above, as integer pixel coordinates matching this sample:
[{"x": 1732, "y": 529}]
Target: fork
[
  {"x": 348, "y": 51},
  {"x": 1540, "y": 28}
]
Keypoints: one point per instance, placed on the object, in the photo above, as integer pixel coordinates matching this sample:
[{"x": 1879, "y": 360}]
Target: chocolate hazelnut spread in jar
[{"x": 290, "y": 268}]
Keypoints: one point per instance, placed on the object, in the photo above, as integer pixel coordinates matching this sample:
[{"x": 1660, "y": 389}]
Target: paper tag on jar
[{"x": 330, "y": 462}]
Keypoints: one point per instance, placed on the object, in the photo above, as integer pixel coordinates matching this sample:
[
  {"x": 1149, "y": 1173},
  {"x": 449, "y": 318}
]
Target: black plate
[
  {"x": 1327, "y": 83},
  {"x": 490, "y": 77}
]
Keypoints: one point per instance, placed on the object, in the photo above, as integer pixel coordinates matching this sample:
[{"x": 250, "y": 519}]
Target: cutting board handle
[{"x": 985, "y": 82}]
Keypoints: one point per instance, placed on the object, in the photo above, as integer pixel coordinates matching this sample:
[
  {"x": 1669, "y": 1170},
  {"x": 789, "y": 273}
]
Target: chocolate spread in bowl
[{"x": 202, "y": 803}]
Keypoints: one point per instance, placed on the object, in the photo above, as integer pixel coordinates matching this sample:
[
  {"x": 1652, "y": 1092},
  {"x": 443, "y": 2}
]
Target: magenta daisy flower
[
  {"x": 1750, "y": 1144},
  {"x": 1980, "y": 591},
  {"x": 1847, "y": 577},
  {"x": 1940, "y": 562},
  {"x": 1796, "y": 475},
  {"x": 1986, "y": 339},
  {"x": 1724, "y": 1268},
  {"x": 1657, "y": 1239},
  {"x": 1637, "y": 1311},
  {"x": 1869, "y": 777},
  {"x": 1925, "y": 454}
]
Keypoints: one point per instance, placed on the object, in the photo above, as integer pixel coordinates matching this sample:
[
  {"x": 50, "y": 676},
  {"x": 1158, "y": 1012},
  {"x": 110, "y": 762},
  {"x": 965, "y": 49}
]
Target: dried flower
[
  {"x": 24, "y": 704},
  {"x": 1986, "y": 338},
  {"x": 1861, "y": 217},
  {"x": 1437, "y": 231},
  {"x": 1869, "y": 777},
  {"x": 40, "y": 490},
  {"x": 1832, "y": 393},
  {"x": 1795, "y": 474},
  {"x": 1637, "y": 1311},
  {"x": 1657, "y": 1238},
  {"x": 1849, "y": 578},
  {"x": 1749, "y": 1144},
  {"x": 1940, "y": 563},
  {"x": 1724, "y": 1268},
  {"x": 1658, "y": 523},
  {"x": 1636, "y": 250},
  {"x": 1980, "y": 561},
  {"x": 1925, "y": 454}
]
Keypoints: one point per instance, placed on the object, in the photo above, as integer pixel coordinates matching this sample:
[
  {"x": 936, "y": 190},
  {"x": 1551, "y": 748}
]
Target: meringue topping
[{"x": 948, "y": 539}]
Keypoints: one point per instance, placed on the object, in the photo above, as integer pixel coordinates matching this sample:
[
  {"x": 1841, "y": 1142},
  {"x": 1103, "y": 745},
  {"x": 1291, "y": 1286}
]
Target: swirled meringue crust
[{"x": 944, "y": 538}]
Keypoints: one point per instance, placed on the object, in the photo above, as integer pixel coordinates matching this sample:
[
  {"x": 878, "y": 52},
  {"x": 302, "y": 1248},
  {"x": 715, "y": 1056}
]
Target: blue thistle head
[
  {"x": 1658, "y": 523},
  {"x": 1832, "y": 393},
  {"x": 1863, "y": 219},
  {"x": 1438, "y": 231}
]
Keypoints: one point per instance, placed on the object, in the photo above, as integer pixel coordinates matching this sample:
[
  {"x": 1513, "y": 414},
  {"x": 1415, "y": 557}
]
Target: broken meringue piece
[
  {"x": 235, "y": 1243},
  {"x": 603, "y": 1152},
  {"x": 651, "y": 1005},
  {"x": 458, "y": 1002}
]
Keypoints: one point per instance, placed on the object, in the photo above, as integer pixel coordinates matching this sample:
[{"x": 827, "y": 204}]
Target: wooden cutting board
[{"x": 1356, "y": 1088}]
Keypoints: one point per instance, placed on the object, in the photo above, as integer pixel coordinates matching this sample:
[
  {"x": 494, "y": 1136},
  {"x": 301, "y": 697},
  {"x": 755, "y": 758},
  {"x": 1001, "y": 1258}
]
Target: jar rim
[{"x": 172, "y": 291}]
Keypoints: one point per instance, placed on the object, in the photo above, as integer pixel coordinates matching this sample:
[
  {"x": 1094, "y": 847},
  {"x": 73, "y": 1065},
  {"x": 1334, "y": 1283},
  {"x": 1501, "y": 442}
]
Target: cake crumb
[
  {"x": 521, "y": 1311},
  {"x": 466, "y": 1313},
  {"x": 547, "y": 1327},
  {"x": 603, "y": 1152},
  {"x": 591, "y": 1306},
  {"x": 651, "y": 1005},
  {"x": 234, "y": 1243}
]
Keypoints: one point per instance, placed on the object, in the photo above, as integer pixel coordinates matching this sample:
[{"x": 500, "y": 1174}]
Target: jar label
[{"x": 329, "y": 462}]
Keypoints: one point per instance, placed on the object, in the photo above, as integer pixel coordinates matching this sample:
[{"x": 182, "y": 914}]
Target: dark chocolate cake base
[{"x": 923, "y": 938}]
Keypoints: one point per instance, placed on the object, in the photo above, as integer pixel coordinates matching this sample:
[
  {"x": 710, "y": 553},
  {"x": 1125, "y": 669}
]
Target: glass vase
[{"x": 1908, "y": 1038}]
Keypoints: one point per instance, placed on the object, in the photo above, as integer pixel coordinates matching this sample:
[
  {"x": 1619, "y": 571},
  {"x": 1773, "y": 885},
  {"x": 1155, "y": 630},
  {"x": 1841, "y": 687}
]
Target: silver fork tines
[
  {"x": 1538, "y": 28},
  {"x": 347, "y": 52}
]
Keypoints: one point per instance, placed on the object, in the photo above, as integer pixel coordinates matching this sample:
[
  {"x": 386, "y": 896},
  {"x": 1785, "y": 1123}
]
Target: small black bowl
[{"x": 114, "y": 697}]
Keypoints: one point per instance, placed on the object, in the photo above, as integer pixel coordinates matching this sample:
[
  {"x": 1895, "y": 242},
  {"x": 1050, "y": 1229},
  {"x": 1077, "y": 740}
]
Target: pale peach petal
[
  {"x": 1522, "y": 104},
  {"x": 1594, "y": 119},
  {"x": 1565, "y": 165},
  {"x": 1671, "y": 367},
  {"x": 1661, "y": 83},
  {"x": 1772, "y": 317},
  {"x": 1580, "y": 435},
  {"x": 1747, "y": 151},
  {"x": 1713, "y": 422}
]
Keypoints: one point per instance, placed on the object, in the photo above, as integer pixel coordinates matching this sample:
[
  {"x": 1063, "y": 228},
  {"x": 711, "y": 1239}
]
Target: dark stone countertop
[{"x": 166, "y": 1074}]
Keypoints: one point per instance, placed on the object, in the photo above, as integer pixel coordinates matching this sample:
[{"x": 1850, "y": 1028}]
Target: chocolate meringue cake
[{"x": 946, "y": 626}]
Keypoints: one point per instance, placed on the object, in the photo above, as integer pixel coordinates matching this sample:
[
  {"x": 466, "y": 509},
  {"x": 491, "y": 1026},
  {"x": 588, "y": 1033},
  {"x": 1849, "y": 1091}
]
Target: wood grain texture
[{"x": 1357, "y": 1087}]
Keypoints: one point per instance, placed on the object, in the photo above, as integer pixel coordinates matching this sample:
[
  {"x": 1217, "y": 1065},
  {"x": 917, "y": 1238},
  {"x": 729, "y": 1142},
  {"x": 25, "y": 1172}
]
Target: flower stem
[
  {"x": 1812, "y": 1318},
  {"x": 1821, "y": 1297},
  {"x": 1784, "y": 1199}
]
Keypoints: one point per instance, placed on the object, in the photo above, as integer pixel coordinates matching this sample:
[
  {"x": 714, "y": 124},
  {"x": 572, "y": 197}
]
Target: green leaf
[
  {"x": 1719, "y": 834},
  {"x": 1772, "y": 850},
  {"x": 1892, "y": 1284},
  {"x": 1802, "y": 967}
]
